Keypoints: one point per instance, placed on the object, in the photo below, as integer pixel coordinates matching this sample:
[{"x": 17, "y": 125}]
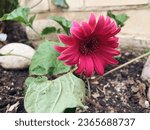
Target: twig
[
  {"x": 89, "y": 100},
  {"x": 12, "y": 96},
  {"x": 89, "y": 87},
  {"x": 123, "y": 65}
]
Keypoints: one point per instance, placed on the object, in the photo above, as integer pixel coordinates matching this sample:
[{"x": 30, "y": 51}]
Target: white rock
[
  {"x": 146, "y": 70},
  {"x": 19, "y": 58},
  {"x": 3, "y": 37},
  {"x": 146, "y": 104}
]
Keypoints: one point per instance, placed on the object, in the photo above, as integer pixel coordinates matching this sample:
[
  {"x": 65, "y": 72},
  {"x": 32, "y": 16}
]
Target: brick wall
[
  {"x": 83, "y": 5},
  {"x": 136, "y": 29}
]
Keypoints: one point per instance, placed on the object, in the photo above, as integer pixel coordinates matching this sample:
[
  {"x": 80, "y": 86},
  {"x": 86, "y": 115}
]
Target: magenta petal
[
  {"x": 75, "y": 24},
  {"x": 59, "y": 48},
  {"x": 77, "y": 32},
  {"x": 115, "y": 32},
  {"x": 109, "y": 50},
  {"x": 71, "y": 62},
  {"x": 109, "y": 28},
  {"x": 71, "y": 50},
  {"x": 110, "y": 59},
  {"x": 68, "y": 40},
  {"x": 92, "y": 21},
  {"x": 110, "y": 40},
  {"x": 89, "y": 66},
  {"x": 63, "y": 57},
  {"x": 86, "y": 28},
  {"x": 81, "y": 65},
  {"x": 111, "y": 44},
  {"x": 99, "y": 25},
  {"x": 98, "y": 64},
  {"x": 73, "y": 59},
  {"x": 108, "y": 21}
]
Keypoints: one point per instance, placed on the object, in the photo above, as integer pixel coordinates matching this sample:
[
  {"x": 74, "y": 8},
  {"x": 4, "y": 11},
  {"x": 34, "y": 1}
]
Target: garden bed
[{"x": 120, "y": 91}]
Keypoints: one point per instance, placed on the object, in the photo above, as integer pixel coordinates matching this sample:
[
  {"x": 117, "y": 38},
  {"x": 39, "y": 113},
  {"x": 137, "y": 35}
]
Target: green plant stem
[
  {"x": 36, "y": 32},
  {"x": 72, "y": 70},
  {"x": 123, "y": 65},
  {"x": 89, "y": 87}
]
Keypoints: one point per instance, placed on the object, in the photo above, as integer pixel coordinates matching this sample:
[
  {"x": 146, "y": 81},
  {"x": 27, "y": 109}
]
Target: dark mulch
[
  {"x": 120, "y": 91},
  {"x": 11, "y": 89}
]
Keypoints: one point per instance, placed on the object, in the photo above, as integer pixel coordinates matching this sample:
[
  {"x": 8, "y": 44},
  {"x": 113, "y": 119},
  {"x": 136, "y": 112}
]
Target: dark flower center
[{"x": 88, "y": 46}]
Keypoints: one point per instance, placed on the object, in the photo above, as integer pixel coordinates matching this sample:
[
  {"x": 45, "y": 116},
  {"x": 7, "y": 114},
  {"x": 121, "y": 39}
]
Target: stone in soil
[
  {"x": 146, "y": 70},
  {"x": 16, "y": 56}
]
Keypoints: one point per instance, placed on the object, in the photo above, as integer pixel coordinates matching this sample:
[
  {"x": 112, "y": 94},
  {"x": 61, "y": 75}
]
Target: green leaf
[
  {"x": 120, "y": 18},
  {"x": 147, "y": 50},
  {"x": 110, "y": 14},
  {"x": 55, "y": 96},
  {"x": 45, "y": 61},
  {"x": 20, "y": 15},
  {"x": 60, "y": 3},
  {"x": 49, "y": 30},
  {"x": 31, "y": 20},
  {"x": 6, "y": 6},
  {"x": 65, "y": 24},
  {"x": 29, "y": 80}
]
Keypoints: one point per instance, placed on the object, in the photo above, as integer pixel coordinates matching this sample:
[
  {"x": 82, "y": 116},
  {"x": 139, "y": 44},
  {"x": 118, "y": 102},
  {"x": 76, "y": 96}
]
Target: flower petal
[
  {"x": 109, "y": 50},
  {"x": 108, "y": 21},
  {"x": 73, "y": 59},
  {"x": 71, "y": 49},
  {"x": 75, "y": 24},
  {"x": 81, "y": 65},
  {"x": 99, "y": 25},
  {"x": 68, "y": 40},
  {"x": 86, "y": 28},
  {"x": 114, "y": 32},
  {"x": 110, "y": 59},
  {"x": 59, "y": 48},
  {"x": 71, "y": 62},
  {"x": 109, "y": 28},
  {"x": 98, "y": 64},
  {"x": 111, "y": 44},
  {"x": 109, "y": 40},
  {"x": 63, "y": 57},
  {"x": 77, "y": 32},
  {"x": 89, "y": 66},
  {"x": 92, "y": 21}
]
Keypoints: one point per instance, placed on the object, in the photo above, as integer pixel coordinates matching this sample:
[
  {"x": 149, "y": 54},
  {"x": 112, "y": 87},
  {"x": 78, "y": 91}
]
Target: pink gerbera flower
[{"x": 90, "y": 46}]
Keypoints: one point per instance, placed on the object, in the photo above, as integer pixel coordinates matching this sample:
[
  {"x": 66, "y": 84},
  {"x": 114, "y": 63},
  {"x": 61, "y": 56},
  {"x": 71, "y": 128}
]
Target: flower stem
[
  {"x": 123, "y": 65},
  {"x": 89, "y": 87}
]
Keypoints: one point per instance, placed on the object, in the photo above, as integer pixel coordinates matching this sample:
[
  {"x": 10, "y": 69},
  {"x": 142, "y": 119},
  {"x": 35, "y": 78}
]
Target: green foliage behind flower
[
  {"x": 6, "y": 6},
  {"x": 120, "y": 18}
]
